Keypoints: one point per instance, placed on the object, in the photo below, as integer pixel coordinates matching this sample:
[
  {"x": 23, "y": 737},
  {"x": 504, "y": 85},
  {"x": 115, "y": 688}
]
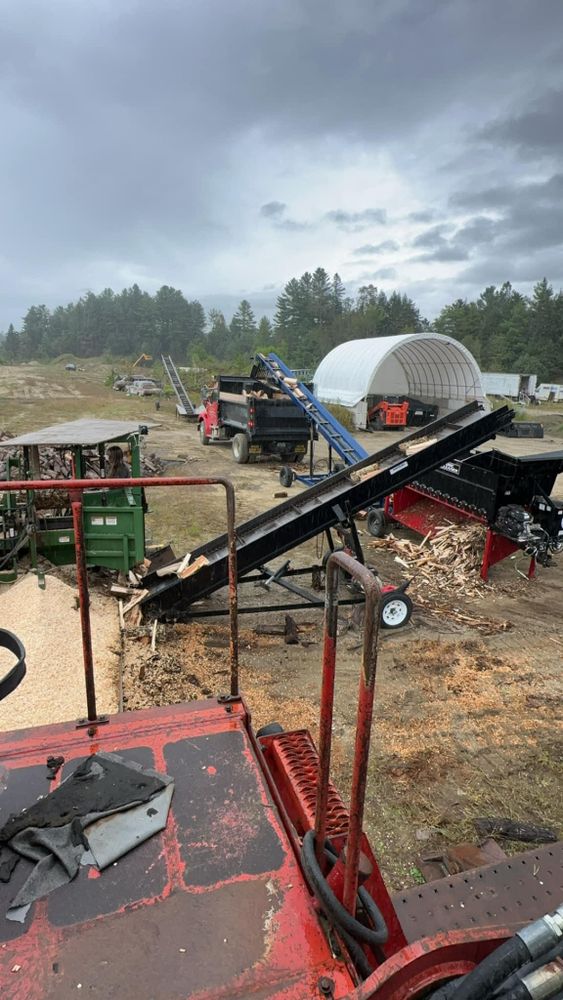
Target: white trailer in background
[
  {"x": 509, "y": 385},
  {"x": 550, "y": 392}
]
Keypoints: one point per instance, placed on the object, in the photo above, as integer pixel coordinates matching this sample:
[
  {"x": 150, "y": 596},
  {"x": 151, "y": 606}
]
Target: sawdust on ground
[
  {"x": 192, "y": 661},
  {"x": 461, "y": 696},
  {"x": 48, "y": 623}
]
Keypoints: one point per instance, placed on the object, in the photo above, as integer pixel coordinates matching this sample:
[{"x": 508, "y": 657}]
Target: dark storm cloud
[
  {"x": 530, "y": 215},
  {"x": 538, "y": 129},
  {"x": 386, "y": 246},
  {"x": 432, "y": 238},
  {"x": 448, "y": 252},
  {"x": 273, "y": 209},
  {"x": 130, "y": 128},
  {"x": 356, "y": 221}
]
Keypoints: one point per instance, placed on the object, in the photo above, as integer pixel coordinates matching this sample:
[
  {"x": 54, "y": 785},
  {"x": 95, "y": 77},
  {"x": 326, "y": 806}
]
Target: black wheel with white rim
[{"x": 395, "y": 609}]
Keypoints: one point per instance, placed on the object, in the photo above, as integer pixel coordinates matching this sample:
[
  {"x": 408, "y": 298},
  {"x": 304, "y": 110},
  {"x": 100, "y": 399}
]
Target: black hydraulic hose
[
  {"x": 482, "y": 981},
  {"x": 332, "y": 905},
  {"x": 515, "y": 977},
  {"x": 530, "y": 942},
  {"x": 357, "y": 954}
]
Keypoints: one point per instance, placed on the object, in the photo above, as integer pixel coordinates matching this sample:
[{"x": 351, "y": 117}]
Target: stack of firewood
[
  {"x": 445, "y": 568},
  {"x": 55, "y": 463},
  {"x": 447, "y": 560}
]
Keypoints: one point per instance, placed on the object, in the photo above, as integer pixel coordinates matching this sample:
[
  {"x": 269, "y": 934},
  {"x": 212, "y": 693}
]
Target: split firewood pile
[
  {"x": 55, "y": 463},
  {"x": 445, "y": 567}
]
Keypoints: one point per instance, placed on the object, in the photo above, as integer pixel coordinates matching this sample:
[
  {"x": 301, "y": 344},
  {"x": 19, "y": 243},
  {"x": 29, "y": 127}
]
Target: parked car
[
  {"x": 70, "y": 367},
  {"x": 145, "y": 387}
]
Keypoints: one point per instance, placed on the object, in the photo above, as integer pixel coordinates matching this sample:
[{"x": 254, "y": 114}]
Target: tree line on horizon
[{"x": 503, "y": 329}]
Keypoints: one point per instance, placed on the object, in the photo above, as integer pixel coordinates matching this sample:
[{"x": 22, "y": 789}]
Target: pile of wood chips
[{"x": 445, "y": 567}]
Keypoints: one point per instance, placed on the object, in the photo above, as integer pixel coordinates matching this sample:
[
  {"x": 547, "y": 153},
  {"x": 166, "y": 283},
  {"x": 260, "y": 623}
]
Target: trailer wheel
[
  {"x": 395, "y": 610},
  {"x": 376, "y": 522},
  {"x": 240, "y": 449},
  {"x": 287, "y": 476},
  {"x": 202, "y": 435},
  {"x": 271, "y": 729}
]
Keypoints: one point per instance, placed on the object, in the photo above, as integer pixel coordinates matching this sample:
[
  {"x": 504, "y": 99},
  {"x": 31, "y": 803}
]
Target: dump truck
[{"x": 256, "y": 417}]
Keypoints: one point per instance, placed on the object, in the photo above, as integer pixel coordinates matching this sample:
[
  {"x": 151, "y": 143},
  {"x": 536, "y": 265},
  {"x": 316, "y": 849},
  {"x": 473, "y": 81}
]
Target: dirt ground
[{"x": 467, "y": 724}]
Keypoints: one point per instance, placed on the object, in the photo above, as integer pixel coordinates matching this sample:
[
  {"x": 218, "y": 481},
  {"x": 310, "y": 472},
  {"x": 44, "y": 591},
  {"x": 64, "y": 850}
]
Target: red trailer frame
[{"x": 423, "y": 513}]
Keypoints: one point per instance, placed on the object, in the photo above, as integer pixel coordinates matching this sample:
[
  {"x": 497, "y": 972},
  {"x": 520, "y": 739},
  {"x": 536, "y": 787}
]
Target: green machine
[{"x": 41, "y": 524}]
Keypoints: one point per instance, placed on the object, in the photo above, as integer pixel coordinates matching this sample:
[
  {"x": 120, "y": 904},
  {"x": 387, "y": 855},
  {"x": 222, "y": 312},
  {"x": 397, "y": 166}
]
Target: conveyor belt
[
  {"x": 334, "y": 433},
  {"x": 186, "y": 407},
  {"x": 326, "y": 504}
]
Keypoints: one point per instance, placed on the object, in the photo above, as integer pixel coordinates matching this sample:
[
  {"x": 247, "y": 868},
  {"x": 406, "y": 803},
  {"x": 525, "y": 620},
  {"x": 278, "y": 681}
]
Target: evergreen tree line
[{"x": 505, "y": 330}]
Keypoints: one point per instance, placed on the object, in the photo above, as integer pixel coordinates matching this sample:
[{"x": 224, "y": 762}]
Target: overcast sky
[{"x": 225, "y": 146}]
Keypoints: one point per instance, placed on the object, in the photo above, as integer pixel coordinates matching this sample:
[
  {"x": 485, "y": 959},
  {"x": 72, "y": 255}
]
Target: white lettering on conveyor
[{"x": 398, "y": 468}]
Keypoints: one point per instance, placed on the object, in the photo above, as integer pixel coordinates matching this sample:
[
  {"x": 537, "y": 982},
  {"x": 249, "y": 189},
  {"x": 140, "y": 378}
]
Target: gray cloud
[
  {"x": 356, "y": 221},
  {"x": 537, "y": 130},
  {"x": 386, "y": 246},
  {"x": 137, "y": 135},
  {"x": 432, "y": 238},
  {"x": 273, "y": 209},
  {"x": 446, "y": 253},
  {"x": 385, "y": 272},
  {"x": 422, "y": 216}
]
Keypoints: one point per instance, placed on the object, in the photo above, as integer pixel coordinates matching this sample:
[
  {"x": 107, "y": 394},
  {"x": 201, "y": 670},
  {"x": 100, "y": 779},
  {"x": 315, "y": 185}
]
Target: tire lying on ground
[{"x": 286, "y": 475}]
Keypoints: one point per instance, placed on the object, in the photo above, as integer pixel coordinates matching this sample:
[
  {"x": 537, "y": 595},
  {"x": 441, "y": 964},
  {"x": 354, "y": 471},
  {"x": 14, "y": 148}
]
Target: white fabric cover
[{"x": 428, "y": 366}]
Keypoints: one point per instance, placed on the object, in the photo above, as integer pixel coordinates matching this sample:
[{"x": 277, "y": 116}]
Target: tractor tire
[
  {"x": 287, "y": 476},
  {"x": 204, "y": 439},
  {"x": 240, "y": 449},
  {"x": 395, "y": 609},
  {"x": 271, "y": 729},
  {"x": 376, "y": 522}
]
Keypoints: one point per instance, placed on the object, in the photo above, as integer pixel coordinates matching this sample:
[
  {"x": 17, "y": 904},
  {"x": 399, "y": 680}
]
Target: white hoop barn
[{"x": 425, "y": 366}]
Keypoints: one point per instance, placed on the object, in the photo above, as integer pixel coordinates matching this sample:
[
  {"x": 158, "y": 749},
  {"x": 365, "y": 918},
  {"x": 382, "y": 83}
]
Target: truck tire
[
  {"x": 240, "y": 449},
  {"x": 376, "y": 522},
  {"x": 286, "y": 476},
  {"x": 202, "y": 435}
]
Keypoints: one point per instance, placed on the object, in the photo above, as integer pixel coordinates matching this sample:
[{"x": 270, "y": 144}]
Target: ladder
[
  {"x": 329, "y": 502},
  {"x": 184, "y": 405},
  {"x": 336, "y": 436}
]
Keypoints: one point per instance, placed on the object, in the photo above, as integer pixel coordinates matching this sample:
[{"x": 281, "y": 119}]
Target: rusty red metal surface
[{"x": 214, "y": 906}]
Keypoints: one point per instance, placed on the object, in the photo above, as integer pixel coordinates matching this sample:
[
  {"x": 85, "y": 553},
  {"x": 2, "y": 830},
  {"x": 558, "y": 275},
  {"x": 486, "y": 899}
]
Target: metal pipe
[
  {"x": 372, "y": 590},
  {"x": 79, "y": 485},
  {"x": 84, "y": 601}
]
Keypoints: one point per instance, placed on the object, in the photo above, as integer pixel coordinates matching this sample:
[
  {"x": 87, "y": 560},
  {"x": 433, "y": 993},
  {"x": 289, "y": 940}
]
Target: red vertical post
[
  {"x": 364, "y": 717},
  {"x": 327, "y": 704},
  {"x": 363, "y": 738},
  {"x": 84, "y": 598}
]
